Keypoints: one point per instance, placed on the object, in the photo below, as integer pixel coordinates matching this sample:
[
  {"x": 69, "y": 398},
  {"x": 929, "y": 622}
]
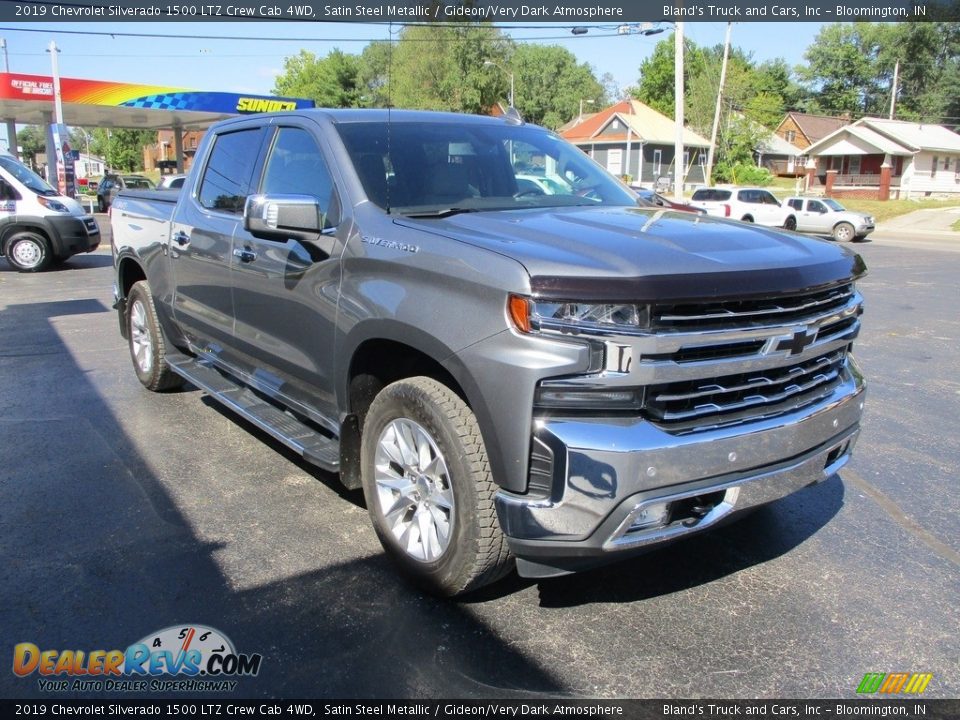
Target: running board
[{"x": 299, "y": 437}]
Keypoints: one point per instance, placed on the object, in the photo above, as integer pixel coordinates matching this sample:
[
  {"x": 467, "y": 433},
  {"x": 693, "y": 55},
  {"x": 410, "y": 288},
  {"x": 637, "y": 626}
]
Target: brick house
[
  {"x": 879, "y": 158},
  {"x": 163, "y": 149}
]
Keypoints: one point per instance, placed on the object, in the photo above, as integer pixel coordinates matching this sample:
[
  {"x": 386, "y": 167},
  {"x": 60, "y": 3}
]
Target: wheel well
[
  {"x": 129, "y": 273},
  {"x": 14, "y": 230},
  {"x": 747, "y": 218},
  {"x": 376, "y": 364}
]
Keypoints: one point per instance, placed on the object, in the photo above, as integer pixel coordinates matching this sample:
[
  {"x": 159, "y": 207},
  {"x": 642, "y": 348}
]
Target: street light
[
  {"x": 582, "y": 101},
  {"x": 491, "y": 63}
]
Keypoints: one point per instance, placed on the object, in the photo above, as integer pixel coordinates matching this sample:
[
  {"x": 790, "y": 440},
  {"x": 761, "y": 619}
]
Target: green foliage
[
  {"x": 32, "y": 141},
  {"x": 844, "y": 71},
  {"x": 121, "y": 149},
  {"x": 441, "y": 68},
  {"x": 550, "y": 84},
  {"x": 742, "y": 174},
  {"x": 331, "y": 81}
]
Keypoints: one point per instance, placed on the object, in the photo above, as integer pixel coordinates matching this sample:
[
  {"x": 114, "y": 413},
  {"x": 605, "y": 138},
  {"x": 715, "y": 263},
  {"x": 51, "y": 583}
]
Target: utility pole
[
  {"x": 55, "y": 66},
  {"x": 12, "y": 146},
  {"x": 678, "y": 164},
  {"x": 716, "y": 115},
  {"x": 893, "y": 89}
]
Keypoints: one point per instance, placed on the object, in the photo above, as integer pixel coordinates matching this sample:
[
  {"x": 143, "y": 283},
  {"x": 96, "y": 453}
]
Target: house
[
  {"x": 634, "y": 141},
  {"x": 879, "y": 158},
  {"x": 779, "y": 157},
  {"x": 163, "y": 151},
  {"x": 89, "y": 166},
  {"x": 803, "y": 130}
]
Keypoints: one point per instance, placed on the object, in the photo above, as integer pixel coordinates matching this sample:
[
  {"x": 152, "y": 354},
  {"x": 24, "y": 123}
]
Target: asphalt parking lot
[{"x": 125, "y": 512}]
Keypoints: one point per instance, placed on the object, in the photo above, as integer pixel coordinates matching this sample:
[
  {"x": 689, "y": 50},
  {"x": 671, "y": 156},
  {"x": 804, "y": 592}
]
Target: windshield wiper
[{"x": 441, "y": 213}]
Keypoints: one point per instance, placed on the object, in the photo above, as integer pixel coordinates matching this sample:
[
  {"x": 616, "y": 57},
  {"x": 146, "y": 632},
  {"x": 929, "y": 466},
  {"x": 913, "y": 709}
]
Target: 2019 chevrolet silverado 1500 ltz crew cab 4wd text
[{"x": 556, "y": 379}]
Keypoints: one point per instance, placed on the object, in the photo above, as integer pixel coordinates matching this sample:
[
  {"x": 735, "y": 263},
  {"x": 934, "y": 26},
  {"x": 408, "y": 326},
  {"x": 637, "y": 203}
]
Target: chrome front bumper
[{"x": 606, "y": 472}]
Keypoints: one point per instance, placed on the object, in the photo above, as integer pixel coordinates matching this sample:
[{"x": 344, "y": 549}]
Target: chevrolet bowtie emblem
[{"x": 799, "y": 342}]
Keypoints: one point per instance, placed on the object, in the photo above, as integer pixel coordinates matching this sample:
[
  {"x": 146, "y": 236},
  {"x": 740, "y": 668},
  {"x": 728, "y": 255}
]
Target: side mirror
[{"x": 283, "y": 217}]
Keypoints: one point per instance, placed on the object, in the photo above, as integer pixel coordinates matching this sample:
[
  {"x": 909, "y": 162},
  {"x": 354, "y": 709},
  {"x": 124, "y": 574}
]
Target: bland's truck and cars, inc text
[{"x": 552, "y": 380}]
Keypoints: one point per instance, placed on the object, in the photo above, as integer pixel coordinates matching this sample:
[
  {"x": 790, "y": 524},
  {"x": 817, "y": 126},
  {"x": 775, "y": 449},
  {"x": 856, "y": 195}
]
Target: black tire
[
  {"x": 791, "y": 223},
  {"x": 843, "y": 231},
  {"x": 29, "y": 252},
  {"x": 476, "y": 551},
  {"x": 747, "y": 218},
  {"x": 146, "y": 343}
]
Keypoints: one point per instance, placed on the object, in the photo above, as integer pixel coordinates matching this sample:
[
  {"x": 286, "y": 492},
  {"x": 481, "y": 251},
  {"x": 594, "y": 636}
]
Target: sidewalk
[{"x": 927, "y": 223}]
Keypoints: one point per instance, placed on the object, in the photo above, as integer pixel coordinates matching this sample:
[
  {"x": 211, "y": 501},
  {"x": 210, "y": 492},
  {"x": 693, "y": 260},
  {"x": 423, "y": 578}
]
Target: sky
[{"x": 230, "y": 60}]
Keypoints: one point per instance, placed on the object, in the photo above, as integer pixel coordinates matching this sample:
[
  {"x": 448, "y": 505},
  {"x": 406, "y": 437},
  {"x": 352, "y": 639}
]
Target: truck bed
[{"x": 142, "y": 217}]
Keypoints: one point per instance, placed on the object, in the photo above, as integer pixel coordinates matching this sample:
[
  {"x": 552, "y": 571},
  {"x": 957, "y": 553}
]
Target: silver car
[{"x": 828, "y": 217}]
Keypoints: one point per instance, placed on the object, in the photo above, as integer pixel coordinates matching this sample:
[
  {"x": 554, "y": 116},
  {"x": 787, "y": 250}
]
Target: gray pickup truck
[{"x": 552, "y": 379}]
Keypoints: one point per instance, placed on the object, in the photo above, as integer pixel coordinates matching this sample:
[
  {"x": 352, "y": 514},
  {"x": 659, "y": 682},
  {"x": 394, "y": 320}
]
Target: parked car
[
  {"x": 827, "y": 216},
  {"x": 38, "y": 226},
  {"x": 171, "y": 182},
  {"x": 657, "y": 200},
  {"x": 110, "y": 185},
  {"x": 505, "y": 375},
  {"x": 754, "y": 205}
]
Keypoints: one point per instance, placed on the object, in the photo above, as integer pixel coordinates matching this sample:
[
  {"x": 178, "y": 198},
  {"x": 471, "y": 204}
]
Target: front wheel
[
  {"x": 791, "y": 223},
  {"x": 147, "y": 349},
  {"x": 29, "y": 252},
  {"x": 428, "y": 488},
  {"x": 843, "y": 232}
]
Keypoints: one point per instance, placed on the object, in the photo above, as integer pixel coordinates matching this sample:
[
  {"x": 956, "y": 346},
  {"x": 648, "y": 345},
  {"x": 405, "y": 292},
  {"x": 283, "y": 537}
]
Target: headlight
[
  {"x": 530, "y": 315},
  {"x": 52, "y": 204}
]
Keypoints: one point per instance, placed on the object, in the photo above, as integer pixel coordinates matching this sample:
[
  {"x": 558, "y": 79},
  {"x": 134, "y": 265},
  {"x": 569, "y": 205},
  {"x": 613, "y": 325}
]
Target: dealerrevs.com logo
[{"x": 178, "y": 658}]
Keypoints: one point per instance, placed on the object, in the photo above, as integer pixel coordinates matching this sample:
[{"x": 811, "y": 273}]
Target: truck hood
[{"x": 646, "y": 254}]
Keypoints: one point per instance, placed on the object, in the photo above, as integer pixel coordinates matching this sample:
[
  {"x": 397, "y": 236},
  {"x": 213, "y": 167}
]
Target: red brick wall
[{"x": 859, "y": 194}]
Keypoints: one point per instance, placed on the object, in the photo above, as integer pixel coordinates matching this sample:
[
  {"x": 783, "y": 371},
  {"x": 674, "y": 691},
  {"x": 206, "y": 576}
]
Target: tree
[
  {"x": 845, "y": 71},
  {"x": 330, "y": 81},
  {"x": 550, "y": 84},
  {"x": 929, "y": 77},
  {"x": 442, "y": 68},
  {"x": 122, "y": 149},
  {"x": 32, "y": 141}
]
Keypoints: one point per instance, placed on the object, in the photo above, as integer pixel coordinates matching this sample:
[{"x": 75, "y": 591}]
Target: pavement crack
[{"x": 904, "y": 520}]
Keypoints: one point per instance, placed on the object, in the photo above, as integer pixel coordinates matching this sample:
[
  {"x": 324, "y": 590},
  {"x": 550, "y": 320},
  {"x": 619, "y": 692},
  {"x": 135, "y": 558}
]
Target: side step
[{"x": 299, "y": 437}]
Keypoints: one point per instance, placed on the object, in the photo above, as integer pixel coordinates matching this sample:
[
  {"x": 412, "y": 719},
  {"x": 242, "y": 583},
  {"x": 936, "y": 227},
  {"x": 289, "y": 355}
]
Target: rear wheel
[
  {"x": 147, "y": 349},
  {"x": 29, "y": 252},
  {"x": 843, "y": 232},
  {"x": 747, "y": 218},
  {"x": 428, "y": 488}
]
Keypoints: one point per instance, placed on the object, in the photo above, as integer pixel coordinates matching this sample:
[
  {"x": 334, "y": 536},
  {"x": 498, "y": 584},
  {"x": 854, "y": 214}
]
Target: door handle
[
  {"x": 181, "y": 238},
  {"x": 246, "y": 255}
]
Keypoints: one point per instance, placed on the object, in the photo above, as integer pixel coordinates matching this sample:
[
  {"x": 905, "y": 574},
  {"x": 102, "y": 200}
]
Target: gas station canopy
[{"x": 29, "y": 99}]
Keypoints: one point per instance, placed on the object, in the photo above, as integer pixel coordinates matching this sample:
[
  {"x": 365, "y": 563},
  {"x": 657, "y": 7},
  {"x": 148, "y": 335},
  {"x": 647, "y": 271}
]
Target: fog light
[{"x": 653, "y": 515}]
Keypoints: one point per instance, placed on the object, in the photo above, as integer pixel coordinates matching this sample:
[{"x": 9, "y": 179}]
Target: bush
[{"x": 742, "y": 174}]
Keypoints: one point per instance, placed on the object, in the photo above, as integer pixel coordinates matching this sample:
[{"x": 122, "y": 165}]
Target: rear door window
[
  {"x": 711, "y": 194},
  {"x": 226, "y": 178}
]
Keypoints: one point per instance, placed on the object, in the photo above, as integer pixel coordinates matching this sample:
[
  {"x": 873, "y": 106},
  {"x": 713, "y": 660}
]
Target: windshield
[
  {"x": 424, "y": 168},
  {"x": 833, "y": 205},
  {"x": 27, "y": 176}
]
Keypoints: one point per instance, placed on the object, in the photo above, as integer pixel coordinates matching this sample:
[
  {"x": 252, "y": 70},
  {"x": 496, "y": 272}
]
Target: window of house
[
  {"x": 226, "y": 178},
  {"x": 615, "y": 125},
  {"x": 946, "y": 163},
  {"x": 854, "y": 168},
  {"x": 686, "y": 162},
  {"x": 933, "y": 166},
  {"x": 657, "y": 161},
  {"x": 615, "y": 162},
  {"x": 790, "y": 135}
]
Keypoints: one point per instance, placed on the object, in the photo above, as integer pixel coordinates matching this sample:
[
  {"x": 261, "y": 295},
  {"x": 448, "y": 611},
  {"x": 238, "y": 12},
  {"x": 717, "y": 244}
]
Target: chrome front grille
[
  {"x": 745, "y": 313},
  {"x": 732, "y": 397}
]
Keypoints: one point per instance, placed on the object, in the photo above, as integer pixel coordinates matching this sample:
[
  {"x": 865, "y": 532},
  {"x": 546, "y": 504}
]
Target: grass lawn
[
  {"x": 886, "y": 209},
  {"x": 956, "y": 226}
]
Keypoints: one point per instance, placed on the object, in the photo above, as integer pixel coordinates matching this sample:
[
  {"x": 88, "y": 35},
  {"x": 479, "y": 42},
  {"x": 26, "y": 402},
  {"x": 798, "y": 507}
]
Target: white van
[{"x": 37, "y": 225}]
